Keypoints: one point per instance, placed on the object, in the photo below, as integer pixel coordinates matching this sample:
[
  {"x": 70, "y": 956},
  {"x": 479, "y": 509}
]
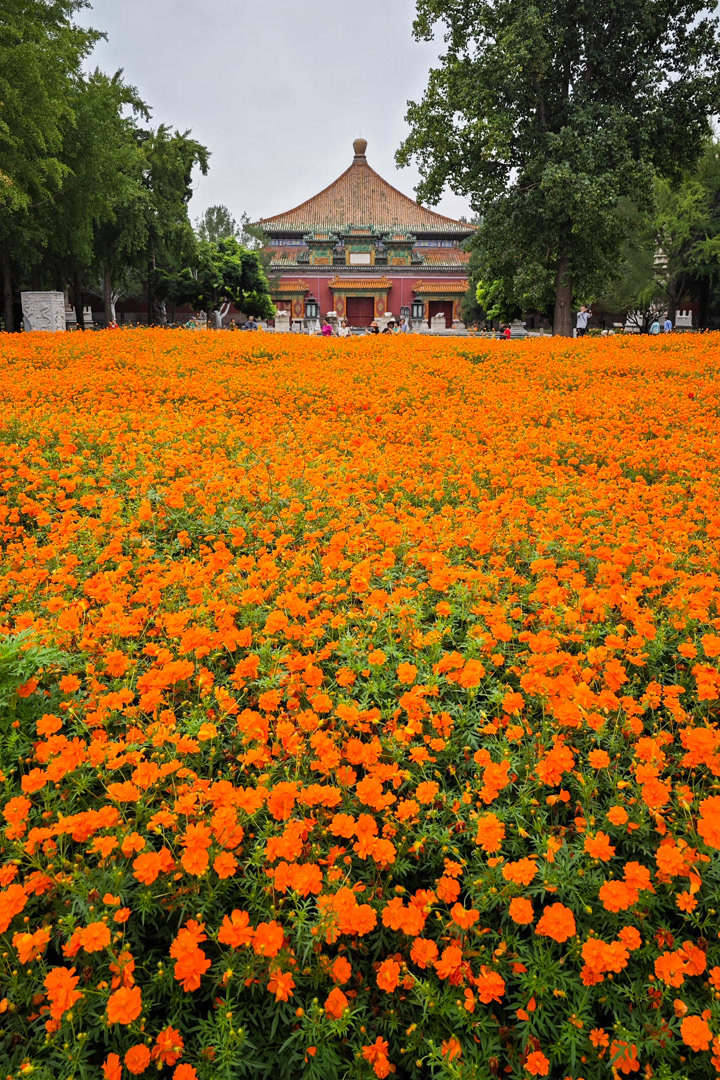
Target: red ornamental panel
[
  {"x": 340, "y": 304},
  {"x": 298, "y": 309},
  {"x": 380, "y": 305}
]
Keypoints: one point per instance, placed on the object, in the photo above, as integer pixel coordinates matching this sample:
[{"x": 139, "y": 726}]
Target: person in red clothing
[
  {"x": 506, "y": 332},
  {"x": 326, "y": 329}
]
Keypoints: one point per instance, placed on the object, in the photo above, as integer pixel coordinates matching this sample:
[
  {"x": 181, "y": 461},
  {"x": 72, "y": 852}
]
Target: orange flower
[
  {"x": 168, "y": 1047},
  {"x": 137, "y": 1059},
  {"x": 450, "y": 964},
  {"x": 521, "y": 911},
  {"x": 406, "y": 673},
  {"x": 426, "y": 792},
  {"x": 281, "y": 984},
  {"x": 268, "y": 938},
  {"x": 60, "y": 984},
  {"x": 623, "y": 1056},
  {"x": 30, "y": 946},
  {"x": 490, "y": 833},
  {"x": 388, "y": 976},
  {"x": 598, "y": 759},
  {"x": 111, "y": 1067},
  {"x": 95, "y": 937},
  {"x": 451, "y": 1048},
  {"x": 125, "y": 1005},
  {"x": 490, "y": 985},
  {"x": 599, "y": 846},
  {"x": 335, "y": 1004},
  {"x": 236, "y": 930},
  {"x": 696, "y": 1033},
  {"x": 377, "y": 1055},
  {"x": 556, "y": 922},
  {"x": 424, "y": 952},
  {"x": 184, "y": 1072},
  {"x": 521, "y": 872},
  {"x": 537, "y": 1064}
]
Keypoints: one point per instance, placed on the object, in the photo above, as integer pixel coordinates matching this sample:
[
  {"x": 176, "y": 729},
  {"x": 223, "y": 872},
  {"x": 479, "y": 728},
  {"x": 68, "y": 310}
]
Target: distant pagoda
[{"x": 362, "y": 248}]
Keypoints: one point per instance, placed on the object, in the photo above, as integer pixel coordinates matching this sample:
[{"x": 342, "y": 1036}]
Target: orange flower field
[{"x": 359, "y": 707}]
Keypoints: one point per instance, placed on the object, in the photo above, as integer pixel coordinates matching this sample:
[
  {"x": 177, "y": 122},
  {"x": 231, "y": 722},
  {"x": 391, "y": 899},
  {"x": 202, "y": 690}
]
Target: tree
[
  {"x": 545, "y": 114},
  {"x": 90, "y": 220},
  {"x": 41, "y": 50},
  {"x": 225, "y": 272},
  {"x": 217, "y": 223},
  {"x": 671, "y": 248},
  {"x": 170, "y": 158},
  {"x": 688, "y": 232}
]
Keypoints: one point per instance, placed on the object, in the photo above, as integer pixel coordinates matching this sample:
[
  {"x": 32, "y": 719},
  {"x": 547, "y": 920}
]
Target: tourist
[
  {"x": 506, "y": 332},
  {"x": 668, "y": 325},
  {"x": 405, "y": 327},
  {"x": 583, "y": 317},
  {"x": 655, "y": 328},
  {"x": 373, "y": 328},
  {"x": 232, "y": 324},
  {"x": 390, "y": 326},
  {"x": 251, "y": 324},
  {"x": 344, "y": 329},
  {"x": 326, "y": 329}
]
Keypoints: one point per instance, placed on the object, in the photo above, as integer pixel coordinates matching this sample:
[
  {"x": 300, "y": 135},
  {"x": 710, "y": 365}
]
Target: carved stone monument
[
  {"x": 438, "y": 324},
  {"x": 282, "y": 322},
  {"x": 43, "y": 310},
  {"x": 517, "y": 329}
]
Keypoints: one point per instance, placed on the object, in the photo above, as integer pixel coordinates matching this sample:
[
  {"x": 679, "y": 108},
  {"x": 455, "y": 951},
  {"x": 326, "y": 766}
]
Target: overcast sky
[{"x": 276, "y": 89}]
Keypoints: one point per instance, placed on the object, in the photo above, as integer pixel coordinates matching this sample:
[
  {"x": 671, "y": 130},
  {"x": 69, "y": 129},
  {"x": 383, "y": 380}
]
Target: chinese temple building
[{"x": 365, "y": 250}]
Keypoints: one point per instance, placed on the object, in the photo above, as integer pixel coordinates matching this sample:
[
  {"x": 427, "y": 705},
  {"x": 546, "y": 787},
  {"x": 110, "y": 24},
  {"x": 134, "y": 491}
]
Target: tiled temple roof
[
  {"x": 425, "y": 287},
  {"x": 444, "y": 256},
  {"x": 293, "y": 286},
  {"x": 360, "y": 283},
  {"x": 361, "y": 196}
]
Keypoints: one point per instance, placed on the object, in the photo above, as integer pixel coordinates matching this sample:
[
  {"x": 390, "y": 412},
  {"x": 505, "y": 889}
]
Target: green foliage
[
  {"x": 546, "y": 115},
  {"x": 41, "y": 49},
  {"x": 225, "y": 272},
  {"x": 217, "y": 223},
  {"x": 86, "y": 195}
]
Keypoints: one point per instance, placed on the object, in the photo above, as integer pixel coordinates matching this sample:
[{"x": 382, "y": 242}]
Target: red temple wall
[{"x": 401, "y": 293}]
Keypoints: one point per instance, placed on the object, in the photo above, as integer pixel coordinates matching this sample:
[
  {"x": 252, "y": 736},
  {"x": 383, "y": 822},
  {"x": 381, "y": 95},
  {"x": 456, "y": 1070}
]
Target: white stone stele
[
  {"x": 438, "y": 323},
  {"x": 282, "y": 322},
  {"x": 43, "y": 310}
]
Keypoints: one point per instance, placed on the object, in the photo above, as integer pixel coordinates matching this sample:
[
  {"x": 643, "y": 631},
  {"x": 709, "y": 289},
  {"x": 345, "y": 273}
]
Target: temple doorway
[
  {"x": 442, "y": 307},
  {"x": 360, "y": 310}
]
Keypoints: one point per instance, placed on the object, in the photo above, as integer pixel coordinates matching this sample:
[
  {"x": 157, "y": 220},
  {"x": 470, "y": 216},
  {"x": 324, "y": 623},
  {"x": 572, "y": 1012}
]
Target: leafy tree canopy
[
  {"x": 546, "y": 114},
  {"x": 225, "y": 272}
]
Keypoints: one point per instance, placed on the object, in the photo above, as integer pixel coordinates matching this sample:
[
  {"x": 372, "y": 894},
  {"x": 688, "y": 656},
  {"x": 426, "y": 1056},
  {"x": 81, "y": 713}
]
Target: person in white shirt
[
  {"x": 344, "y": 329},
  {"x": 583, "y": 317}
]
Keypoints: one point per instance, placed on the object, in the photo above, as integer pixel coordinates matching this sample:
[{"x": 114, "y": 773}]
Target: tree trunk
[
  {"x": 77, "y": 297},
  {"x": 704, "y": 303},
  {"x": 107, "y": 291},
  {"x": 7, "y": 290},
  {"x": 562, "y": 320}
]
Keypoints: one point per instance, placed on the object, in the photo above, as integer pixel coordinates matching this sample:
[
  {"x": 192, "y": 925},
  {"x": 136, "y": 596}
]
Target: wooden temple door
[
  {"x": 442, "y": 307},
  {"x": 359, "y": 310}
]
